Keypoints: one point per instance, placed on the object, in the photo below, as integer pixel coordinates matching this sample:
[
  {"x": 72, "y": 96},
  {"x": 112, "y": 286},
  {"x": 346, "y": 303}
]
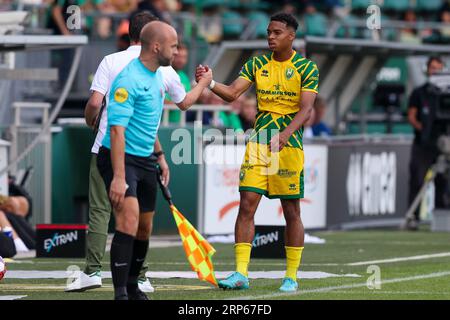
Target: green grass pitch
[{"x": 350, "y": 252}]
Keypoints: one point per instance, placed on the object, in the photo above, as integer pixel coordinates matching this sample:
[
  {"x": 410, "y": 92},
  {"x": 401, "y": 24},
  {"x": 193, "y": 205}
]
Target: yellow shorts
[{"x": 273, "y": 174}]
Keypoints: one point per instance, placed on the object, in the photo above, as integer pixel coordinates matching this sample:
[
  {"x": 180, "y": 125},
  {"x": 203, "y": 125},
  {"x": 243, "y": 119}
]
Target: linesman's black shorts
[{"x": 140, "y": 175}]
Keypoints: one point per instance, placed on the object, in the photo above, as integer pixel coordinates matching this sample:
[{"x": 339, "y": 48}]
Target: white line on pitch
[
  {"x": 421, "y": 257},
  {"x": 350, "y": 286}
]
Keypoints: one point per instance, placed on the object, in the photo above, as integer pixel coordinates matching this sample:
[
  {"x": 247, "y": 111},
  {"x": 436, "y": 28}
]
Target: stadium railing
[{"x": 199, "y": 109}]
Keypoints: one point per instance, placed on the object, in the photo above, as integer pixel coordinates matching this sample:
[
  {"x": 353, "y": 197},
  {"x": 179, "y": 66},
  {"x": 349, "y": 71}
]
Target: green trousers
[{"x": 99, "y": 216}]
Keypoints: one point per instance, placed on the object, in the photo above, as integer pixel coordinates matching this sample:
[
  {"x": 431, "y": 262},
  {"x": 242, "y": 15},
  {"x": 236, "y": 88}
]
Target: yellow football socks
[
  {"x": 293, "y": 259},
  {"x": 242, "y": 252}
]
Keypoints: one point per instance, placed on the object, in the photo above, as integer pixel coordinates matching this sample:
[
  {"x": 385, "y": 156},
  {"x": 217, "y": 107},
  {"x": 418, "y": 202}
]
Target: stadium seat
[
  {"x": 348, "y": 31},
  {"x": 396, "y": 5},
  {"x": 300, "y": 32},
  {"x": 429, "y": 5},
  {"x": 360, "y": 5},
  {"x": 316, "y": 24},
  {"x": 261, "y": 21},
  {"x": 213, "y": 3},
  {"x": 233, "y": 4},
  {"x": 205, "y": 3},
  {"x": 254, "y": 5},
  {"x": 232, "y": 24}
]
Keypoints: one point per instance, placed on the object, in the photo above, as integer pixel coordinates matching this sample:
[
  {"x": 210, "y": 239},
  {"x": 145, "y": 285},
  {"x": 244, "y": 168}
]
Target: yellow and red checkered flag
[{"x": 198, "y": 251}]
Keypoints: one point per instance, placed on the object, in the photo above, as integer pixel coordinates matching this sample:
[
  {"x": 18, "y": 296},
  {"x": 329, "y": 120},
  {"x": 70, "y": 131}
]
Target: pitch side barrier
[{"x": 350, "y": 182}]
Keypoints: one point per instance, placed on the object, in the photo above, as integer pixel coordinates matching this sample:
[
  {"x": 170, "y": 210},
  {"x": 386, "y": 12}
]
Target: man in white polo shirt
[{"x": 96, "y": 117}]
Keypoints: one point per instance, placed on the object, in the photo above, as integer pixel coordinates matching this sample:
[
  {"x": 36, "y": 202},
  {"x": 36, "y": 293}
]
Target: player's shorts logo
[
  {"x": 242, "y": 174},
  {"x": 121, "y": 95},
  {"x": 289, "y": 73}
]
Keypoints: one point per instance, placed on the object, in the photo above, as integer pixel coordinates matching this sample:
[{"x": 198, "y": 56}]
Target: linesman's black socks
[
  {"x": 121, "y": 253},
  {"x": 140, "y": 248}
]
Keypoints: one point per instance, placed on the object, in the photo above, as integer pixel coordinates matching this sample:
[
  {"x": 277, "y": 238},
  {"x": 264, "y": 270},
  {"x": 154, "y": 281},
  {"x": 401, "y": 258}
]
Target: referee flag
[{"x": 198, "y": 251}]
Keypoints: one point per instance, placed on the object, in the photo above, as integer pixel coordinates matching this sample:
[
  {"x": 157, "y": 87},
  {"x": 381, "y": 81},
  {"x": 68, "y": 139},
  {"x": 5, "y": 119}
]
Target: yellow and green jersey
[{"x": 279, "y": 86}]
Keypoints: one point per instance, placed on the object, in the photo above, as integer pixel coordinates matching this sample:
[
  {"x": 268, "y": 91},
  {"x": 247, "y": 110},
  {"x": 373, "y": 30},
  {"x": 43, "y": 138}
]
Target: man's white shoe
[
  {"x": 145, "y": 285},
  {"x": 84, "y": 282}
]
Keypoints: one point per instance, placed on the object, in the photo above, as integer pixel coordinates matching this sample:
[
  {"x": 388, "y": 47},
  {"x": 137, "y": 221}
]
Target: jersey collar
[
  {"x": 134, "y": 48},
  {"x": 290, "y": 59}
]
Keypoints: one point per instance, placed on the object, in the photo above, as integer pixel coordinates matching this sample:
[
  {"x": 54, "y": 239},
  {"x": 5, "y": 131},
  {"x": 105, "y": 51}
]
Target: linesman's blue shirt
[{"x": 136, "y": 103}]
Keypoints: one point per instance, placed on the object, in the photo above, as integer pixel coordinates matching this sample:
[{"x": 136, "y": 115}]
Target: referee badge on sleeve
[{"x": 121, "y": 95}]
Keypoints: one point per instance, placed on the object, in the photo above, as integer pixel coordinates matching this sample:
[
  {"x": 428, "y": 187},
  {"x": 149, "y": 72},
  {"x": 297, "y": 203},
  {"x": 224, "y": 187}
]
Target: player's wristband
[
  {"x": 212, "y": 84},
  {"x": 159, "y": 153}
]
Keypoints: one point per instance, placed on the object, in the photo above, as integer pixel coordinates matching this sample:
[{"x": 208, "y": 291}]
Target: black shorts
[{"x": 140, "y": 175}]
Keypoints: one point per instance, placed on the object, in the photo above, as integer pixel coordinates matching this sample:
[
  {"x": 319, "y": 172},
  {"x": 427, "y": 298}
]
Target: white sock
[{"x": 20, "y": 246}]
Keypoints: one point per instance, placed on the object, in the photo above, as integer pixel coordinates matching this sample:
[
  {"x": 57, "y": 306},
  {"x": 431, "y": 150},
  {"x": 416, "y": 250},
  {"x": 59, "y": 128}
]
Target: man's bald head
[
  {"x": 160, "y": 39},
  {"x": 156, "y": 31}
]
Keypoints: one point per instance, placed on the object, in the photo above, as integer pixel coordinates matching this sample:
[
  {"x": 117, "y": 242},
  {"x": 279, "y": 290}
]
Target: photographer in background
[{"x": 424, "y": 152}]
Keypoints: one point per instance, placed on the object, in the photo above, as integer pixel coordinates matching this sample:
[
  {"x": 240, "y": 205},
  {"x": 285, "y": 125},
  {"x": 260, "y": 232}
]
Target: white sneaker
[
  {"x": 20, "y": 245},
  {"x": 84, "y": 282},
  {"x": 145, "y": 285}
]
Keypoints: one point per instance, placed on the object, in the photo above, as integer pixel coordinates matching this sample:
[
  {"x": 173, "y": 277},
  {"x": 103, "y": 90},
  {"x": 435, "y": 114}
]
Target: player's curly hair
[{"x": 286, "y": 18}]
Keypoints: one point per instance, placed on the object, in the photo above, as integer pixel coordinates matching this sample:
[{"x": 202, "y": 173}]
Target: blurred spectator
[
  {"x": 123, "y": 38},
  {"x": 332, "y": 5},
  {"x": 123, "y": 6},
  {"x": 444, "y": 31},
  {"x": 8, "y": 229},
  {"x": 289, "y": 7},
  {"x": 156, "y": 7},
  {"x": 424, "y": 151},
  {"x": 179, "y": 63},
  {"x": 210, "y": 24},
  {"x": 104, "y": 24},
  {"x": 17, "y": 205},
  {"x": 409, "y": 33},
  {"x": 320, "y": 128},
  {"x": 441, "y": 34},
  {"x": 248, "y": 111},
  {"x": 58, "y": 15},
  {"x": 15, "y": 209},
  {"x": 57, "y": 22},
  {"x": 230, "y": 119},
  {"x": 174, "y": 5}
]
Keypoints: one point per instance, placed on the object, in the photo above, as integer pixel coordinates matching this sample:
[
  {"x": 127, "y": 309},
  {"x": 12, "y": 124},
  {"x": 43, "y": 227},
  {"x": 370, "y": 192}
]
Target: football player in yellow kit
[{"x": 286, "y": 87}]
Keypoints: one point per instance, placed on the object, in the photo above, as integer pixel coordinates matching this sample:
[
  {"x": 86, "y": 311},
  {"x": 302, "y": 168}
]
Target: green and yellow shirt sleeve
[
  {"x": 248, "y": 71},
  {"x": 310, "y": 77}
]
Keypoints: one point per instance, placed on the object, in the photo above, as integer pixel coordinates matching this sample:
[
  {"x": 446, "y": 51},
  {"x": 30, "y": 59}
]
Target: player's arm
[
  {"x": 165, "y": 172},
  {"x": 58, "y": 17},
  {"x": 233, "y": 91},
  {"x": 92, "y": 109},
  {"x": 279, "y": 141},
  {"x": 413, "y": 110},
  {"x": 193, "y": 95},
  {"x": 412, "y": 118},
  {"x": 309, "y": 89},
  {"x": 236, "y": 88},
  {"x": 120, "y": 111},
  {"x": 99, "y": 88},
  {"x": 118, "y": 184}
]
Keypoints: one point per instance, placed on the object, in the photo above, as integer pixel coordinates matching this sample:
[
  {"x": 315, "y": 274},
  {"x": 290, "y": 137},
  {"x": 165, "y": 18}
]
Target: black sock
[
  {"x": 140, "y": 249},
  {"x": 121, "y": 253}
]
